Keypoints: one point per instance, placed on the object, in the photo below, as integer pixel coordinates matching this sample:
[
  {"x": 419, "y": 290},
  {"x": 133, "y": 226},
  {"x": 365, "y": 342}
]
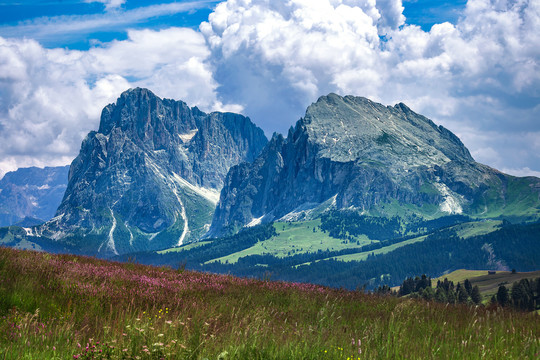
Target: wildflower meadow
[{"x": 71, "y": 307}]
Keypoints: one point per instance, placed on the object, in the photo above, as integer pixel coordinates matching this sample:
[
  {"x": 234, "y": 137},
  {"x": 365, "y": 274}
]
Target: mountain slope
[
  {"x": 349, "y": 152},
  {"x": 31, "y": 193},
  {"x": 150, "y": 176}
]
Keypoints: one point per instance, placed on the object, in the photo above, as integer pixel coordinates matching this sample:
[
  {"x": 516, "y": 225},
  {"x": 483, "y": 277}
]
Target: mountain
[
  {"x": 357, "y": 194},
  {"x": 31, "y": 193},
  {"x": 150, "y": 177},
  {"x": 352, "y": 153}
]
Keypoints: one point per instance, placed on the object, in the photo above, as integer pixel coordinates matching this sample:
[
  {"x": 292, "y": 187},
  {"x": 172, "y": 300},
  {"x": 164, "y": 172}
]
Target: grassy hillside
[
  {"x": 301, "y": 251},
  {"x": 69, "y": 307},
  {"x": 303, "y": 237},
  {"x": 296, "y": 238},
  {"x": 461, "y": 275},
  {"x": 488, "y": 284},
  {"x": 464, "y": 231},
  {"x": 345, "y": 248}
]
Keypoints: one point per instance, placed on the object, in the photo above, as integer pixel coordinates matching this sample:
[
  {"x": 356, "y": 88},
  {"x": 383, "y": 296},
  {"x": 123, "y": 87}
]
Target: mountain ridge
[
  {"x": 31, "y": 193},
  {"x": 150, "y": 176},
  {"x": 353, "y": 152}
]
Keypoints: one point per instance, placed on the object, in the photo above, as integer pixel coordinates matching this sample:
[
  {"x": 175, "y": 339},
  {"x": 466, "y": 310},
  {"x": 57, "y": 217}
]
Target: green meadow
[
  {"x": 296, "y": 238},
  {"x": 71, "y": 307}
]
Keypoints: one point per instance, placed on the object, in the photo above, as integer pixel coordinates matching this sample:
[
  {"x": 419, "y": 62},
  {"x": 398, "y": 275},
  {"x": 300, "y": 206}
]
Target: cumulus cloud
[
  {"x": 479, "y": 76},
  {"x": 391, "y": 13},
  {"x": 51, "y": 98}
]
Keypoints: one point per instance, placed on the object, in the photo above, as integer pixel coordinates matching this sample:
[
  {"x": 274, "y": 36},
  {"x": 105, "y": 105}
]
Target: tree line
[{"x": 524, "y": 294}]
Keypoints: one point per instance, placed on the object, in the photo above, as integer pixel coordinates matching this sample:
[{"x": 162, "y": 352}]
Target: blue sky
[
  {"x": 472, "y": 66},
  {"x": 34, "y": 18},
  {"x": 16, "y": 18}
]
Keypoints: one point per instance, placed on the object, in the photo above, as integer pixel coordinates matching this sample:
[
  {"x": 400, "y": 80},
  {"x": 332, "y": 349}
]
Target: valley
[{"x": 357, "y": 195}]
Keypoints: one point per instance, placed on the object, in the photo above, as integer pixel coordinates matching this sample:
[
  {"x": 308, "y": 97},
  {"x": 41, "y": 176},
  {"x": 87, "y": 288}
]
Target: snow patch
[
  {"x": 188, "y": 136},
  {"x": 130, "y": 234},
  {"x": 451, "y": 203},
  {"x": 58, "y": 235},
  {"x": 211, "y": 195},
  {"x": 254, "y": 222},
  {"x": 28, "y": 231},
  {"x": 300, "y": 212},
  {"x": 57, "y": 218},
  {"x": 334, "y": 201},
  {"x": 110, "y": 240},
  {"x": 309, "y": 210},
  {"x": 184, "y": 217}
]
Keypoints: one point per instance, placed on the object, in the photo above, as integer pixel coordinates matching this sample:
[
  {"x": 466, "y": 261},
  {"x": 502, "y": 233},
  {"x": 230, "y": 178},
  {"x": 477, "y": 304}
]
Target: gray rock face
[
  {"x": 352, "y": 152},
  {"x": 31, "y": 193},
  {"x": 150, "y": 176}
]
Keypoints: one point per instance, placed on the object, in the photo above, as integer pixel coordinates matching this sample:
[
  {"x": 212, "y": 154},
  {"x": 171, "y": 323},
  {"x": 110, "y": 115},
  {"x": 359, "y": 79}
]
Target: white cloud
[
  {"x": 479, "y": 77},
  {"x": 481, "y": 74},
  {"x": 50, "y": 99},
  {"x": 521, "y": 172},
  {"x": 391, "y": 13},
  {"x": 73, "y": 26},
  {"x": 109, "y": 4}
]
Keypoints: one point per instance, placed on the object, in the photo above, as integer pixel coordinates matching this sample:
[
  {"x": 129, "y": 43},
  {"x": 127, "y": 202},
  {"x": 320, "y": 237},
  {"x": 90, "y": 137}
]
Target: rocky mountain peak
[
  {"x": 148, "y": 119},
  {"x": 351, "y": 128},
  {"x": 351, "y": 152},
  {"x": 150, "y": 177}
]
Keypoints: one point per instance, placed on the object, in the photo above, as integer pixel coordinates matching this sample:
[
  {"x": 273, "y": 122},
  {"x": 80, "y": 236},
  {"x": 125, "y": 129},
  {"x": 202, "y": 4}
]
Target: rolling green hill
[
  {"x": 342, "y": 249},
  {"x": 302, "y": 251}
]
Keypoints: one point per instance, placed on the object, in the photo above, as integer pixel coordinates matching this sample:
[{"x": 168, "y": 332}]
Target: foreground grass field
[{"x": 68, "y": 307}]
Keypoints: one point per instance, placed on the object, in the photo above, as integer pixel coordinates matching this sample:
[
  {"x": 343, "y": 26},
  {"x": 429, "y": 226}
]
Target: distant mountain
[
  {"x": 150, "y": 177},
  {"x": 31, "y": 193},
  {"x": 352, "y": 153}
]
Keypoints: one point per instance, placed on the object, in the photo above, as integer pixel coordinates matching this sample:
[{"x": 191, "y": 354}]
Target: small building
[{"x": 491, "y": 272}]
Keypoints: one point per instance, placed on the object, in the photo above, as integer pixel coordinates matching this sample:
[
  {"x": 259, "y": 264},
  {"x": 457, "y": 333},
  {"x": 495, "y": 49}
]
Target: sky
[{"x": 472, "y": 66}]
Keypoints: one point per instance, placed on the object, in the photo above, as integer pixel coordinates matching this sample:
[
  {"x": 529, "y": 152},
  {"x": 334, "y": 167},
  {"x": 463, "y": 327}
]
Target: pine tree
[
  {"x": 428, "y": 293},
  {"x": 462, "y": 295},
  {"x": 468, "y": 287},
  {"x": 537, "y": 289},
  {"x": 522, "y": 295},
  {"x": 451, "y": 296},
  {"x": 476, "y": 297},
  {"x": 502, "y": 296},
  {"x": 407, "y": 287},
  {"x": 440, "y": 295}
]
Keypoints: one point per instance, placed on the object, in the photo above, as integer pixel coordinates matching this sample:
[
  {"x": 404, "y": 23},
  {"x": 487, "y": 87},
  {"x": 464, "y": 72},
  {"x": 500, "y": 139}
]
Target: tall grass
[{"x": 69, "y": 307}]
